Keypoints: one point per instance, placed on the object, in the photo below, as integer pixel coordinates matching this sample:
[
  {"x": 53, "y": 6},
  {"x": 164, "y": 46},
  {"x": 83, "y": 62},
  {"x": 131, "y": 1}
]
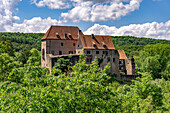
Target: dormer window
[
  {"x": 65, "y": 36},
  {"x": 70, "y": 36},
  {"x": 104, "y": 46},
  {"x": 57, "y": 35},
  {"x": 94, "y": 45}
]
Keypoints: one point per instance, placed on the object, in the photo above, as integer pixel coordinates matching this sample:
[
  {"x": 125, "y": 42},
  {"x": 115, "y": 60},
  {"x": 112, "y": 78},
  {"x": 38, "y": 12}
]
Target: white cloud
[
  {"x": 52, "y": 4},
  {"x": 96, "y": 10},
  {"x": 7, "y": 8},
  {"x": 34, "y": 25},
  {"x": 149, "y": 30},
  {"x": 91, "y": 10},
  {"x": 8, "y": 21}
]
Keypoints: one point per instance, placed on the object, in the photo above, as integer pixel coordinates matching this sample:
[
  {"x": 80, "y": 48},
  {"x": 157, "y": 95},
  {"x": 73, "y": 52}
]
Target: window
[
  {"x": 97, "y": 52},
  {"x": 88, "y": 52},
  {"x": 62, "y": 44},
  {"x": 65, "y": 36},
  {"x": 52, "y": 52},
  {"x": 70, "y": 52},
  {"x": 87, "y": 60},
  {"x": 108, "y": 59},
  {"x": 43, "y": 54},
  {"x": 57, "y": 35},
  {"x": 90, "y": 60},
  {"x": 60, "y": 52},
  {"x": 78, "y": 45},
  {"x": 113, "y": 59},
  {"x": 104, "y": 46},
  {"x": 94, "y": 45},
  {"x": 70, "y": 36},
  {"x": 74, "y": 44},
  {"x": 105, "y": 52}
]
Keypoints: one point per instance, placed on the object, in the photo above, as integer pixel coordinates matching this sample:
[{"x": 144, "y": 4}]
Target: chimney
[
  {"x": 92, "y": 36},
  {"x": 79, "y": 31}
]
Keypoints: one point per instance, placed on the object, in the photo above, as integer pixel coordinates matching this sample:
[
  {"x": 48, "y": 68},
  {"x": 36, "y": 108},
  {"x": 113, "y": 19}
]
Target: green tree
[
  {"x": 62, "y": 64},
  {"x": 142, "y": 96},
  {"x": 154, "y": 59},
  {"x": 83, "y": 90},
  {"x": 7, "y": 63}
]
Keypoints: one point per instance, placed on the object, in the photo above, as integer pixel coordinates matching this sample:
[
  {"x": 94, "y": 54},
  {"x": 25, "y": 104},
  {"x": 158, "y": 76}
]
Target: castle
[{"x": 65, "y": 41}]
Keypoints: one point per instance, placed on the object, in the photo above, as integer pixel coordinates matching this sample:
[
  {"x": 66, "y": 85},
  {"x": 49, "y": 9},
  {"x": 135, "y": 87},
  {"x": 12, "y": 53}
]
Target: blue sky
[{"x": 141, "y": 18}]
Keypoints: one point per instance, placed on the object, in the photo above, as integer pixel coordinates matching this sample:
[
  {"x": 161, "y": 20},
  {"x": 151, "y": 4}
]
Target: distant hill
[
  {"x": 27, "y": 41},
  {"x": 23, "y": 41},
  {"x": 132, "y": 45},
  {"x": 130, "y": 40}
]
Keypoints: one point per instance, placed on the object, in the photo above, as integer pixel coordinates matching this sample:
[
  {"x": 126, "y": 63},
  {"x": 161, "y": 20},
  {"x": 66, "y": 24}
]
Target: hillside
[
  {"x": 27, "y": 41},
  {"x": 130, "y": 40},
  {"x": 132, "y": 45},
  {"x": 27, "y": 87},
  {"x": 23, "y": 41}
]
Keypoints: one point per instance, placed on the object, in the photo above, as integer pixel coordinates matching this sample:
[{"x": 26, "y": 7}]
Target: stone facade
[
  {"x": 64, "y": 41},
  {"x": 126, "y": 65}
]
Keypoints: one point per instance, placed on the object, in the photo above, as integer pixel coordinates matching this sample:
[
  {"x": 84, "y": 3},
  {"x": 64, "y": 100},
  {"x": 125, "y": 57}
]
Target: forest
[{"x": 27, "y": 87}]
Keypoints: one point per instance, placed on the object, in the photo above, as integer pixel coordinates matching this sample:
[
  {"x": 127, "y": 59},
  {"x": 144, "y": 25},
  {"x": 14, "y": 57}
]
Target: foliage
[
  {"x": 165, "y": 86},
  {"x": 130, "y": 40},
  {"x": 7, "y": 63},
  {"x": 23, "y": 41},
  {"x": 27, "y": 87},
  {"x": 132, "y": 45},
  {"x": 37, "y": 91},
  {"x": 6, "y": 47},
  {"x": 154, "y": 59},
  {"x": 85, "y": 89},
  {"x": 143, "y": 96},
  {"x": 62, "y": 64}
]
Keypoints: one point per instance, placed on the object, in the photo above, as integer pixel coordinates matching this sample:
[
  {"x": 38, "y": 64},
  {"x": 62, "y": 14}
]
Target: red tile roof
[
  {"x": 98, "y": 42},
  {"x": 122, "y": 54},
  {"x": 58, "y": 32},
  {"x": 89, "y": 42}
]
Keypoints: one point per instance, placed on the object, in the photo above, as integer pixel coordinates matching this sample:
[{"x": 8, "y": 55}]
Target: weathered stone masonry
[{"x": 64, "y": 41}]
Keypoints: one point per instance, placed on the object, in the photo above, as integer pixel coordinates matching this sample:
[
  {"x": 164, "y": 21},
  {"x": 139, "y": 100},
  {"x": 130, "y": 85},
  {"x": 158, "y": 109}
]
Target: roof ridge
[
  {"x": 62, "y": 26},
  {"x": 49, "y": 31},
  {"x": 100, "y": 35}
]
